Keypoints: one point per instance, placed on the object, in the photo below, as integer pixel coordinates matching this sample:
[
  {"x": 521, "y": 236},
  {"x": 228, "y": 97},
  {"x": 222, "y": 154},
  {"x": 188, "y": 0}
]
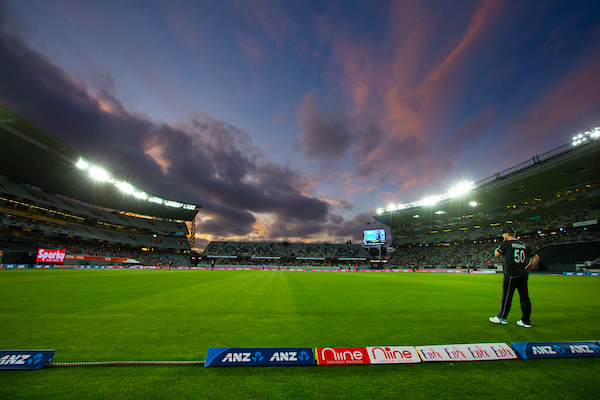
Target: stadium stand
[
  {"x": 284, "y": 254},
  {"x": 45, "y": 200},
  {"x": 551, "y": 200}
]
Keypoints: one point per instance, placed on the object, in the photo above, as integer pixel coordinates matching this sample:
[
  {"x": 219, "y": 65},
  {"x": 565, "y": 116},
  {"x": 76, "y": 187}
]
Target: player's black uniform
[{"x": 514, "y": 260}]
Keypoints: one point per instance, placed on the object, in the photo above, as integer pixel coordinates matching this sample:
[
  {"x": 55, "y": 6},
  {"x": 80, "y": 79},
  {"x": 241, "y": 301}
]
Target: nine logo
[
  {"x": 393, "y": 355},
  {"x": 342, "y": 355}
]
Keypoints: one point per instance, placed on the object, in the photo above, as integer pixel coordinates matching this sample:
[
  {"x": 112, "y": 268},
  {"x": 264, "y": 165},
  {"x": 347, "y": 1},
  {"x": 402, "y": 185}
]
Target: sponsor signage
[
  {"x": 342, "y": 356},
  {"x": 265, "y": 258},
  {"x": 466, "y": 352},
  {"x": 213, "y": 256},
  {"x": 96, "y": 258},
  {"x": 585, "y": 223},
  {"x": 393, "y": 355},
  {"x": 25, "y": 359},
  {"x": 529, "y": 350},
  {"x": 256, "y": 357},
  {"x": 50, "y": 256}
]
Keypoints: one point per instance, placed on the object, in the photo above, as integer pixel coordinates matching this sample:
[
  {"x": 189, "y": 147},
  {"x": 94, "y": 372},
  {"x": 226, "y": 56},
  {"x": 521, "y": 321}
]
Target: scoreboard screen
[{"x": 373, "y": 237}]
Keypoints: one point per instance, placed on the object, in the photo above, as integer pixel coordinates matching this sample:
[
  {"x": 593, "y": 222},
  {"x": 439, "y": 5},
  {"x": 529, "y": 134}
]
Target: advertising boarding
[
  {"x": 466, "y": 352},
  {"x": 50, "y": 256},
  {"x": 258, "y": 357}
]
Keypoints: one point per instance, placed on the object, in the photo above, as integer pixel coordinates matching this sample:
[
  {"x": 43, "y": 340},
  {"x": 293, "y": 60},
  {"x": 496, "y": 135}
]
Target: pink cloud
[{"x": 397, "y": 110}]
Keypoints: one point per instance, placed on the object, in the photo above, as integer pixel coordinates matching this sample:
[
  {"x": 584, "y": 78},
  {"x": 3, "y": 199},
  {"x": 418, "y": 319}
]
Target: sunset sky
[{"x": 297, "y": 119}]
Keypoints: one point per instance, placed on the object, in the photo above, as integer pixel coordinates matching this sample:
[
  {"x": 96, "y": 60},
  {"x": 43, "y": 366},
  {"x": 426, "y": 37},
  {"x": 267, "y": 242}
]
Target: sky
[{"x": 295, "y": 120}]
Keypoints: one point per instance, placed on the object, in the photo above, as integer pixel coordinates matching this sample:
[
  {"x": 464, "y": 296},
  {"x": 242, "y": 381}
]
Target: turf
[{"x": 91, "y": 315}]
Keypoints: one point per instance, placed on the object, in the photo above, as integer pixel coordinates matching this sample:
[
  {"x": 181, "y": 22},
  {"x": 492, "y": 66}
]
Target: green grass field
[{"x": 103, "y": 315}]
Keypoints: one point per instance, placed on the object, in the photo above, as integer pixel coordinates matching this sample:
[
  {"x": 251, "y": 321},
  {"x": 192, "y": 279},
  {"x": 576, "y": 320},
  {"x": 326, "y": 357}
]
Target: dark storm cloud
[
  {"x": 327, "y": 135},
  {"x": 205, "y": 161},
  {"x": 330, "y": 135},
  {"x": 349, "y": 229}
]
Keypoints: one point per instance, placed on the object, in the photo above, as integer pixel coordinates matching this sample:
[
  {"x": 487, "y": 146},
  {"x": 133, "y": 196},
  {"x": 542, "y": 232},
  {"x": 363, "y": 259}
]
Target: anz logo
[
  {"x": 259, "y": 357},
  {"x": 290, "y": 356},
  {"x": 238, "y": 357},
  {"x": 244, "y": 357},
  {"x": 20, "y": 359}
]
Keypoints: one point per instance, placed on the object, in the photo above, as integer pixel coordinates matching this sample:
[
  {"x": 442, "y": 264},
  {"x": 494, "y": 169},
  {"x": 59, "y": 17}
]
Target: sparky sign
[{"x": 47, "y": 256}]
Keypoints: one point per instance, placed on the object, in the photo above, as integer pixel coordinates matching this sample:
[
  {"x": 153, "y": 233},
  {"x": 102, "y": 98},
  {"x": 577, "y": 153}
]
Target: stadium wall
[{"x": 568, "y": 256}]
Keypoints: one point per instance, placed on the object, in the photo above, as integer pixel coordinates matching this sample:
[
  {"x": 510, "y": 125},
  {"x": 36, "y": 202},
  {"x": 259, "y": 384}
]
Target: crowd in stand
[
  {"x": 480, "y": 253},
  {"x": 285, "y": 250}
]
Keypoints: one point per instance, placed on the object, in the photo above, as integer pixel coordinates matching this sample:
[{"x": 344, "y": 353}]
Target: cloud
[
  {"x": 402, "y": 92},
  {"x": 326, "y": 135},
  {"x": 270, "y": 18},
  {"x": 467, "y": 134},
  {"x": 203, "y": 160}
]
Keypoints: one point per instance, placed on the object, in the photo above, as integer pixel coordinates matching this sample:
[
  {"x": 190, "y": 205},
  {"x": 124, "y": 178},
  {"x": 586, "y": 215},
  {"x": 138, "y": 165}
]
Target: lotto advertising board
[
  {"x": 25, "y": 359},
  {"x": 466, "y": 352},
  {"x": 530, "y": 350},
  {"x": 257, "y": 357}
]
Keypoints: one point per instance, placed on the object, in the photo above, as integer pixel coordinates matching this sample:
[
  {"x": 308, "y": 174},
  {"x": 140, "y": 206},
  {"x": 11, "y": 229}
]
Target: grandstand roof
[
  {"x": 559, "y": 170},
  {"x": 30, "y": 155}
]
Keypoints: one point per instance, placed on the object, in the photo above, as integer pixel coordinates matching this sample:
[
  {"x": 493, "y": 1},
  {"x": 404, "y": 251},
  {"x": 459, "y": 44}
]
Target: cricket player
[{"x": 514, "y": 255}]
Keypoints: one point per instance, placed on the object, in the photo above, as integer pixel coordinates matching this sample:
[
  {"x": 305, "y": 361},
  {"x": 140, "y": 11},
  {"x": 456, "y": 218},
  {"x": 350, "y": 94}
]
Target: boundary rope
[{"x": 117, "y": 363}]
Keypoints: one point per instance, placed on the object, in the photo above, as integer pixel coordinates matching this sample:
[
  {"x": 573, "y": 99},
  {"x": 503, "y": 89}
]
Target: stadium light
[
  {"x": 460, "y": 189},
  {"x": 82, "y": 164},
  {"x": 379, "y": 211},
  {"x": 430, "y": 201},
  {"x": 391, "y": 207},
  {"x": 586, "y": 136},
  {"x": 156, "y": 200},
  {"x": 99, "y": 174},
  {"x": 473, "y": 204},
  {"x": 440, "y": 212},
  {"x": 126, "y": 187}
]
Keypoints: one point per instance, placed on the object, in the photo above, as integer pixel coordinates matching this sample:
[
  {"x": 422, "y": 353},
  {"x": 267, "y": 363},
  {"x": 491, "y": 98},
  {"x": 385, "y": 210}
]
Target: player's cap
[{"x": 508, "y": 229}]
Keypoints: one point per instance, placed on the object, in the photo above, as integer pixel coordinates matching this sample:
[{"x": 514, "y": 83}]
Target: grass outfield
[{"x": 104, "y": 315}]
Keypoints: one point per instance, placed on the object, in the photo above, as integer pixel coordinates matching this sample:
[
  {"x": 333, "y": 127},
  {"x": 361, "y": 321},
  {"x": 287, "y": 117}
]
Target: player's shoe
[
  {"x": 523, "y": 324},
  {"x": 496, "y": 320}
]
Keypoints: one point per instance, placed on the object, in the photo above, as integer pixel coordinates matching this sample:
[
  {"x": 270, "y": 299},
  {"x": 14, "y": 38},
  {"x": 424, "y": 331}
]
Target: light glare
[
  {"x": 81, "y": 164},
  {"x": 430, "y": 201},
  {"x": 460, "y": 189},
  {"x": 126, "y": 187},
  {"x": 99, "y": 174}
]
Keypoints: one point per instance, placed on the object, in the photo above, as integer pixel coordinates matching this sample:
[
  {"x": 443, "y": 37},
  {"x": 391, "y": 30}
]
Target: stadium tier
[
  {"x": 285, "y": 254},
  {"x": 551, "y": 199},
  {"x": 47, "y": 200}
]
